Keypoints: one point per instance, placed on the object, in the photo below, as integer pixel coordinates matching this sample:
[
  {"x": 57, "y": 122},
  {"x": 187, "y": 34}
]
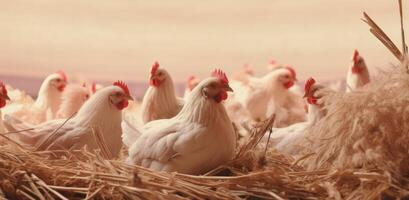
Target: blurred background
[{"x": 110, "y": 40}]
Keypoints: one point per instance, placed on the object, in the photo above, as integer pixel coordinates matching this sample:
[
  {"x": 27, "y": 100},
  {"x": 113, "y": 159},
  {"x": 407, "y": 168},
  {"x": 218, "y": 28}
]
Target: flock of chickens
[{"x": 191, "y": 135}]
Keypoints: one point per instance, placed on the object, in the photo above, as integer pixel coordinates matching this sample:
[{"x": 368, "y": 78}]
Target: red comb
[
  {"x": 218, "y": 73},
  {"x": 63, "y": 75},
  {"x": 292, "y": 71},
  {"x": 94, "y": 87},
  {"x": 122, "y": 85},
  {"x": 3, "y": 88},
  {"x": 191, "y": 78},
  {"x": 273, "y": 62},
  {"x": 355, "y": 56},
  {"x": 308, "y": 84},
  {"x": 154, "y": 68},
  {"x": 248, "y": 69}
]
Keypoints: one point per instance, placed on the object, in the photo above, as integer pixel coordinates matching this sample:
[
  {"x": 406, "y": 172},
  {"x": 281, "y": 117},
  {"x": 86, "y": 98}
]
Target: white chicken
[
  {"x": 358, "y": 74},
  {"x": 3, "y": 98},
  {"x": 47, "y": 103},
  {"x": 73, "y": 97},
  {"x": 296, "y": 89},
  {"x": 244, "y": 74},
  {"x": 95, "y": 86},
  {"x": 284, "y": 139},
  {"x": 18, "y": 97},
  {"x": 191, "y": 83},
  {"x": 198, "y": 139},
  {"x": 264, "y": 96},
  {"x": 272, "y": 65},
  {"x": 160, "y": 101},
  {"x": 99, "y": 119}
]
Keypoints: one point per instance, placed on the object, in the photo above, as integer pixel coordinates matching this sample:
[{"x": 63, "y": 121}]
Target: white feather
[
  {"x": 357, "y": 80},
  {"x": 161, "y": 102},
  {"x": 96, "y": 114},
  {"x": 264, "y": 96},
  {"x": 44, "y": 108},
  {"x": 200, "y": 138},
  {"x": 73, "y": 97}
]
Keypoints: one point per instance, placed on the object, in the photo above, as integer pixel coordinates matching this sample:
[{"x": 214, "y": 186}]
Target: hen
[
  {"x": 285, "y": 139},
  {"x": 358, "y": 74},
  {"x": 198, "y": 139},
  {"x": 244, "y": 74},
  {"x": 264, "y": 96},
  {"x": 192, "y": 82},
  {"x": 73, "y": 97},
  {"x": 160, "y": 101},
  {"x": 47, "y": 103},
  {"x": 99, "y": 119}
]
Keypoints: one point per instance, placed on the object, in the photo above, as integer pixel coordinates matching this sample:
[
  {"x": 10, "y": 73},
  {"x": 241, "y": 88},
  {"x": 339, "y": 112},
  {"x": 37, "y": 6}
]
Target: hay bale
[{"x": 367, "y": 128}]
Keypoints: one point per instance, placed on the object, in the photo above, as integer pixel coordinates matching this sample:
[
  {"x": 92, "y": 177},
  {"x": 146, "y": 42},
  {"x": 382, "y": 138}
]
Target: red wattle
[
  {"x": 288, "y": 84},
  {"x": 223, "y": 95},
  {"x": 122, "y": 104},
  {"x": 220, "y": 97},
  {"x": 2, "y": 103},
  {"x": 154, "y": 82},
  {"x": 311, "y": 100},
  {"x": 190, "y": 86},
  {"x": 356, "y": 70},
  {"x": 61, "y": 88}
]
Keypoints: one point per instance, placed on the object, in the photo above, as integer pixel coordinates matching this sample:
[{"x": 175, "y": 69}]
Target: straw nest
[{"x": 253, "y": 174}]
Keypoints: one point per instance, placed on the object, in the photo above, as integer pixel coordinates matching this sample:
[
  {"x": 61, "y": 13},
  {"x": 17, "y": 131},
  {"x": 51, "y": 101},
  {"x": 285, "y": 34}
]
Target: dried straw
[{"x": 80, "y": 174}]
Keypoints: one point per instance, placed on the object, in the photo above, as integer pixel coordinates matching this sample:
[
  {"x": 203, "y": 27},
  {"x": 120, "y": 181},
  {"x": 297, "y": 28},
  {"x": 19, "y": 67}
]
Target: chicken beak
[
  {"x": 228, "y": 88},
  {"x": 6, "y": 97},
  {"x": 306, "y": 94},
  {"x": 129, "y": 97}
]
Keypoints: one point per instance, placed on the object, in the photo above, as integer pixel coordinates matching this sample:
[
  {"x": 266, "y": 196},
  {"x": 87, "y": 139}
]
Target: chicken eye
[
  {"x": 58, "y": 80},
  {"x": 286, "y": 76},
  {"x": 87, "y": 96},
  {"x": 118, "y": 94},
  {"x": 160, "y": 73}
]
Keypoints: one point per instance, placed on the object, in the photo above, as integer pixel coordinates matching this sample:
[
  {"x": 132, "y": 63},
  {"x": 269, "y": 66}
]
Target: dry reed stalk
[{"x": 49, "y": 141}]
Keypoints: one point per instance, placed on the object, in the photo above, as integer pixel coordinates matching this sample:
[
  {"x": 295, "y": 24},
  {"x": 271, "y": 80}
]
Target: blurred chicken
[
  {"x": 272, "y": 65},
  {"x": 73, "y": 97},
  {"x": 296, "y": 89},
  {"x": 18, "y": 96},
  {"x": 284, "y": 139},
  {"x": 18, "y": 99},
  {"x": 99, "y": 119},
  {"x": 264, "y": 96},
  {"x": 358, "y": 74},
  {"x": 198, "y": 139},
  {"x": 47, "y": 103},
  {"x": 3, "y": 98},
  {"x": 244, "y": 74},
  {"x": 192, "y": 82},
  {"x": 95, "y": 87},
  {"x": 160, "y": 101}
]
